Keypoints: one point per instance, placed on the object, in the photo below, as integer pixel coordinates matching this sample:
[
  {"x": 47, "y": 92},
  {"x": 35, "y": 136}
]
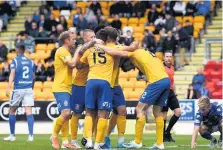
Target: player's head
[
  {"x": 112, "y": 33},
  {"x": 20, "y": 48},
  {"x": 88, "y": 35},
  {"x": 168, "y": 56},
  {"x": 67, "y": 39},
  {"x": 102, "y": 35},
  {"x": 204, "y": 105}
]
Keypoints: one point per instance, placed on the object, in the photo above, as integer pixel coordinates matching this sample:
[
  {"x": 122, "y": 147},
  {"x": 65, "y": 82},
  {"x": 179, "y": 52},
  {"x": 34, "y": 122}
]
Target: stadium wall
[{"x": 46, "y": 111}]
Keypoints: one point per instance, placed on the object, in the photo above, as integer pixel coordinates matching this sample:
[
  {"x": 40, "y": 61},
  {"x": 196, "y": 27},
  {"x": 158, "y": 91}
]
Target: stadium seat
[
  {"x": 34, "y": 56},
  {"x": 37, "y": 91},
  {"x": 50, "y": 47},
  {"x": 140, "y": 84},
  {"x": 123, "y": 75},
  {"x": 40, "y": 96},
  {"x": 38, "y": 85},
  {"x": 157, "y": 37},
  {"x": 133, "y": 73},
  {"x": 48, "y": 90},
  {"x": 110, "y": 20},
  {"x": 142, "y": 21},
  {"x": 138, "y": 36},
  {"x": 56, "y": 13},
  {"x": 133, "y": 21},
  {"x": 3, "y": 96},
  {"x": 199, "y": 19},
  {"x": 132, "y": 79},
  {"x": 190, "y": 18},
  {"x": 128, "y": 84},
  {"x": 219, "y": 65},
  {"x": 150, "y": 28},
  {"x": 134, "y": 95},
  {"x": 50, "y": 96},
  {"x": 47, "y": 84},
  {"x": 3, "y": 85},
  {"x": 105, "y": 12},
  {"x": 81, "y": 4},
  {"x": 122, "y": 80},
  {"x": 138, "y": 29},
  {"x": 69, "y": 23},
  {"x": 196, "y": 34},
  {"x": 159, "y": 55},
  {"x": 65, "y": 13},
  {"x": 210, "y": 64},
  {"x": 110, "y": 3},
  {"x": 11, "y": 56},
  {"x": 216, "y": 95},
  {"x": 104, "y": 5},
  {"x": 124, "y": 20},
  {"x": 41, "y": 47},
  {"x": 128, "y": 90},
  {"x": 72, "y": 13},
  {"x": 216, "y": 74},
  {"x": 198, "y": 26},
  {"x": 179, "y": 19},
  {"x": 140, "y": 90}
]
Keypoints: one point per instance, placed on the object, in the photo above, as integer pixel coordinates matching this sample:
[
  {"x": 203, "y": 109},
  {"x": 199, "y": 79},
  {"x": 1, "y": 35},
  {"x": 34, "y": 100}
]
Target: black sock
[
  {"x": 172, "y": 122},
  {"x": 164, "y": 129}
]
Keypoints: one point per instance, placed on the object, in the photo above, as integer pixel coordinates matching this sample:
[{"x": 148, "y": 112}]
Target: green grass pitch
[{"x": 42, "y": 142}]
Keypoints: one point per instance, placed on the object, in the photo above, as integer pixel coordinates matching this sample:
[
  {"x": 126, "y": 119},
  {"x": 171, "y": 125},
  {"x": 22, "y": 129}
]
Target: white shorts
[{"x": 22, "y": 95}]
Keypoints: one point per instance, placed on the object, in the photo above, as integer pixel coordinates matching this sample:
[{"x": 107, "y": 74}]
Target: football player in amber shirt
[{"x": 156, "y": 93}]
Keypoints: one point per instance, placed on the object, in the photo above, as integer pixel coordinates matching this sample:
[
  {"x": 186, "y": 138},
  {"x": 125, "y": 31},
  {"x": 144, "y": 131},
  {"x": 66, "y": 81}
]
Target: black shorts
[{"x": 172, "y": 102}]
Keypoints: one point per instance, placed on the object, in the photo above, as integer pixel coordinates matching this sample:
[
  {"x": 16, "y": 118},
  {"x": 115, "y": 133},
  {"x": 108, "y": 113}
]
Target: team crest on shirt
[
  {"x": 67, "y": 57},
  {"x": 65, "y": 103},
  {"x": 77, "y": 107}
]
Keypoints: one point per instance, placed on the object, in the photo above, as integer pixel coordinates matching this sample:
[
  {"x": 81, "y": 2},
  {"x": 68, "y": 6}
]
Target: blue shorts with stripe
[
  {"x": 63, "y": 100},
  {"x": 156, "y": 93},
  {"x": 98, "y": 95},
  {"x": 77, "y": 99},
  {"x": 118, "y": 97}
]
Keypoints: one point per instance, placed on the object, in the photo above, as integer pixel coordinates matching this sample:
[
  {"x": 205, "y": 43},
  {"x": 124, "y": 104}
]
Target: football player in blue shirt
[
  {"x": 208, "y": 120},
  {"x": 22, "y": 73}
]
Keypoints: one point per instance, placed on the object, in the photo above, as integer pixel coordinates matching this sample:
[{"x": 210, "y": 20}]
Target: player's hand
[
  {"x": 193, "y": 144},
  {"x": 135, "y": 45},
  {"x": 7, "y": 93}
]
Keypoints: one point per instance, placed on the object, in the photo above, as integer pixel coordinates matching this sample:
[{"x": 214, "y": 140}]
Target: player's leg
[
  {"x": 174, "y": 105},
  {"x": 28, "y": 102},
  {"x": 90, "y": 105},
  {"x": 205, "y": 132},
  {"x": 111, "y": 125},
  {"x": 161, "y": 92},
  {"x": 220, "y": 137},
  {"x": 14, "y": 101},
  {"x": 77, "y": 106},
  {"x": 165, "y": 112},
  {"x": 12, "y": 121},
  {"x": 63, "y": 103},
  {"x": 104, "y": 104}
]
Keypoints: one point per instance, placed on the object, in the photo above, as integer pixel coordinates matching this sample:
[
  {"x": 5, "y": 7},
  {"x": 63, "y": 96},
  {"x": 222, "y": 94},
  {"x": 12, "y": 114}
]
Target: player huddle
[{"x": 96, "y": 90}]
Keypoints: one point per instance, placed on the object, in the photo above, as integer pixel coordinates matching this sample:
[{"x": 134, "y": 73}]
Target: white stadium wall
[{"x": 46, "y": 111}]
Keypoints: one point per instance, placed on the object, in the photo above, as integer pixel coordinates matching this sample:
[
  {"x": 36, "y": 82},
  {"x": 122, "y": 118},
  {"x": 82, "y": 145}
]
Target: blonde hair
[
  {"x": 204, "y": 102},
  {"x": 64, "y": 35}
]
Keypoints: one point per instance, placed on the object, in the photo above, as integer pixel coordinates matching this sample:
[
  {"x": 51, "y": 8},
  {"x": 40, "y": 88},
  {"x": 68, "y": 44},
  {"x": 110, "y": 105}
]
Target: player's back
[
  {"x": 63, "y": 74},
  {"x": 148, "y": 64},
  {"x": 81, "y": 76},
  {"x": 100, "y": 64},
  {"x": 24, "y": 72}
]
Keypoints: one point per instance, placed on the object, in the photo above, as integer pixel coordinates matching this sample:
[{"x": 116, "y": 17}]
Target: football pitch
[{"x": 42, "y": 142}]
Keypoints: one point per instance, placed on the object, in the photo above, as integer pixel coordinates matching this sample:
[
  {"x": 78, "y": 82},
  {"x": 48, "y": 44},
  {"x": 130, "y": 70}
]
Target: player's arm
[
  {"x": 11, "y": 79},
  {"x": 194, "y": 136},
  {"x": 197, "y": 124},
  {"x": 134, "y": 45},
  {"x": 112, "y": 51}
]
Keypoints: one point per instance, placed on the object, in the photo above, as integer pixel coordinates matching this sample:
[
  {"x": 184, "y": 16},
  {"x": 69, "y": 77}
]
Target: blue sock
[
  {"x": 30, "y": 121},
  {"x": 208, "y": 136},
  {"x": 12, "y": 121}
]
